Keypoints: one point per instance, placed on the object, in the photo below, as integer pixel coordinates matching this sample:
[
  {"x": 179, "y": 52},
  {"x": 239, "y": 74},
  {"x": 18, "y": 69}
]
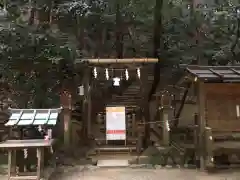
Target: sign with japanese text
[{"x": 115, "y": 123}]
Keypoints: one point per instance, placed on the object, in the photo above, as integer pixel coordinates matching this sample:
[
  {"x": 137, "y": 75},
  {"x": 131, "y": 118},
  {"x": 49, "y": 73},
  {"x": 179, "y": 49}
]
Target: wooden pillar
[
  {"x": 202, "y": 123},
  {"x": 134, "y": 125},
  {"x": 89, "y": 116},
  {"x": 165, "y": 109},
  {"x": 66, "y": 101},
  {"x": 196, "y": 139},
  {"x": 209, "y": 147},
  {"x": 145, "y": 105},
  {"x": 86, "y": 105},
  {"x": 165, "y": 125},
  {"x": 84, "y": 113}
]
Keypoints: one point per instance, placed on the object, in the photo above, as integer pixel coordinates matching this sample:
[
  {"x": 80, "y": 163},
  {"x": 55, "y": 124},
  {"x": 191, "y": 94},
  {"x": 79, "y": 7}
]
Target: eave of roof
[{"x": 215, "y": 73}]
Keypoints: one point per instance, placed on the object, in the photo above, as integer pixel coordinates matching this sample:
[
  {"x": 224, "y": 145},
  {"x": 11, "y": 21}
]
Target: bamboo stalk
[{"x": 121, "y": 61}]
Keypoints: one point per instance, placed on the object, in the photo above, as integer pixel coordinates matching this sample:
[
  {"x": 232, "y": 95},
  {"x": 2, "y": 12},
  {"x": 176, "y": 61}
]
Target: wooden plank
[
  {"x": 104, "y": 139},
  {"x": 222, "y": 88},
  {"x": 221, "y": 101},
  {"x": 23, "y": 178},
  {"x": 115, "y": 148},
  {"x": 228, "y": 145}
]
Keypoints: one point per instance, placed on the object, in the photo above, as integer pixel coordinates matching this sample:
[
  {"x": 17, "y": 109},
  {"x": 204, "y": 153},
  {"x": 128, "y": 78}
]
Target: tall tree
[
  {"x": 157, "y": 44},
  {"x": 119, "y": 33}
]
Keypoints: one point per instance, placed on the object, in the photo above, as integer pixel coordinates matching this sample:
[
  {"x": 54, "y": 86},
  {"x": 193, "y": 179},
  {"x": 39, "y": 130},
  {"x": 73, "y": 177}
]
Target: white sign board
[{"x": 115, "y": 123}]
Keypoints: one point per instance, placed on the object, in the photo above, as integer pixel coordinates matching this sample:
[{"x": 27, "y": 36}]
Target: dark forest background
[{"x": 41, "y": 40}]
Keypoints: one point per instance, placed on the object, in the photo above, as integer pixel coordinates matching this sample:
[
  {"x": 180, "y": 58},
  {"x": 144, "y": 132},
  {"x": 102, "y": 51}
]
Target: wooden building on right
[{"x": 218, "y": 113}]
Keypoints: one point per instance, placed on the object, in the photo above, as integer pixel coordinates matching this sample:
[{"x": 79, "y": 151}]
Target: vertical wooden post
[
  {"x": 202, "y": 123},
  {"x": 67, "y": 128},
  {"x": 11, "y": 162},
  {"x": 10, "y": 151},
  {"x": 145, "y": 105},
  {"x": 66, "y": 101},
  {"x": 209, "y": 147},
  {"x": 196, "y": 139},
  {"x": 86, "y": 105},
  {"x": 165, "y": 125},
  {"x": 134, "y": 125},
  {"x": 39, "y": 163},
  {"x": 89, "y": 116},
  {"x": 84, "y": 112}
]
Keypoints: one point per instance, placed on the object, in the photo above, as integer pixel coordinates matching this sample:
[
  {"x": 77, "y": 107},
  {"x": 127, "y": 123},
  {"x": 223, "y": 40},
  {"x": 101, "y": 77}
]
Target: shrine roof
[
  {"x": 24, "y": 117},
  {"x": 215, "y": 73}
]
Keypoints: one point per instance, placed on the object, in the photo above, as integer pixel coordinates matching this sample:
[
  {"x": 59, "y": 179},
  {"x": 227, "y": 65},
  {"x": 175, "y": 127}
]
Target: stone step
[
  {"x": 113, "y": 163},
  {"x": 115, "y": 148}
]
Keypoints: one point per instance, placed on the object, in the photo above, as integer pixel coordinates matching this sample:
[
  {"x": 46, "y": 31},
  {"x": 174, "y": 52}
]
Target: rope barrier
[{"x": 155, "y": 122}]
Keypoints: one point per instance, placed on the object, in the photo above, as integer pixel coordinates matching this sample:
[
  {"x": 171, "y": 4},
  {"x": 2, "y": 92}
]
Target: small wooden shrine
[
  {"x": 33, "y": 130},
  {"x": 218, "y": 101}
]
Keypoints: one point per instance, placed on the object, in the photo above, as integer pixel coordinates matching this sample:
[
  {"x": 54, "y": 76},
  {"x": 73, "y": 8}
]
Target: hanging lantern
[
  {"x": 107, "y": 74},
  {"x": 138, "y": 73},
  {"x": 95, "y": 72},
  {"x": 126, "y": 74},
  {"x": 116, "y": 81}
]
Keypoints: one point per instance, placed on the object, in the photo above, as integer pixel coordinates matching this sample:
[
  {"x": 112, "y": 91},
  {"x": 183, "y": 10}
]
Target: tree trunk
[
  {"x": 32, "y": 12},
  {"x": 80, "y": 33},
  {"x": 119, "y": 34},
  {"x": 157, "y": 44},
  {"x": 176, "y": 122},
  {"x": 235, "y": 44},
  {"x": 157, "y": 34}
]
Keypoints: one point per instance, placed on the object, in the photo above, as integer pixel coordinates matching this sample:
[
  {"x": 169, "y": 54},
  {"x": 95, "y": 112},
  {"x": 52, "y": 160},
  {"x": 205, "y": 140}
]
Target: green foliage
[
  {"x": 37, "y": 57},
  {"x": 204, "y": 33},
  {"x": 34, "y": 62},
  {"x": 31, "y": 63}
]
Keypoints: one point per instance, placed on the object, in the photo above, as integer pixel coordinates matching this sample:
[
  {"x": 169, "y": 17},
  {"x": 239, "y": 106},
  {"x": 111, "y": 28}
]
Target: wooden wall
[{"x": 221, "y": 101}]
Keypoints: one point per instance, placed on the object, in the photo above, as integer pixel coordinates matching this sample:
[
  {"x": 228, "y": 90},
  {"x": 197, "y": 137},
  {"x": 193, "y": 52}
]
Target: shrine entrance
[{"x": 115, "y": 93}]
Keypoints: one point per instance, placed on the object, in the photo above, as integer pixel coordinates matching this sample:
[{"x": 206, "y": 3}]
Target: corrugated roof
[
  {"x": 224, "y": 73},
  {"x": 23, "y": 117}
]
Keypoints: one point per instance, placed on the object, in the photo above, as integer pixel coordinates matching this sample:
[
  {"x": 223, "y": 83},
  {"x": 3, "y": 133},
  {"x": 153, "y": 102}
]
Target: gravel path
[{"x": 79, "y": 173}]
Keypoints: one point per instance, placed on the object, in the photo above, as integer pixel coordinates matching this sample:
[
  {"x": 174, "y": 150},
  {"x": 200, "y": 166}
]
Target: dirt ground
[{"x": 94, "y": 173}]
